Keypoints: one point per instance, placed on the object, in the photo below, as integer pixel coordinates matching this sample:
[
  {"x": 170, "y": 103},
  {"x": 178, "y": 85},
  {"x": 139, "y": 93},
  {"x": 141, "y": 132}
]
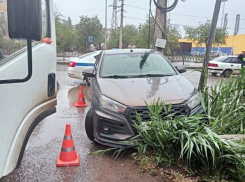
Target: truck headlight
[
  {"x": 111, "y": 105},
  {"x": 194, "y": 101}
]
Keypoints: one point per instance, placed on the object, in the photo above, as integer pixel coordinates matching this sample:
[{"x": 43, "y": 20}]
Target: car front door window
[{"x": 236, "y": 65}]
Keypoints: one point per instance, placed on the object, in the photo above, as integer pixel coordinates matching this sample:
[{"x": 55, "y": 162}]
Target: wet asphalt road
[{"x": 39, "y": 161}]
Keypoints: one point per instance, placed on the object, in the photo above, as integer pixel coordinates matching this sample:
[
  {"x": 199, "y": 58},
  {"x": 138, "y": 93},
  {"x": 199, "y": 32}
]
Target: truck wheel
[
  {"x": 89, "y": 125},
  {"x": 227, "y": 73}
]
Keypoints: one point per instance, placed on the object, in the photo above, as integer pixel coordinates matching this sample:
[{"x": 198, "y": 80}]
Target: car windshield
[
  {"x": 136, "y": 64},
  {"x": 220, "y": 59}
]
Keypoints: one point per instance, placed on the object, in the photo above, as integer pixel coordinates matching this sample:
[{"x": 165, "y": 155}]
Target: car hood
[{"x": 137, "y": 91}]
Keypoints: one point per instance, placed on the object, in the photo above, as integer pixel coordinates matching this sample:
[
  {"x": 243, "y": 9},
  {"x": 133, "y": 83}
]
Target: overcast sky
[{"x": 190, "y": 12}]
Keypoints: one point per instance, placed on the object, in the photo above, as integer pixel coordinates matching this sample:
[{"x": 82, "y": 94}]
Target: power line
[
  {"x": 193, "y": 16},
  {"x": 171, "y": 23}
]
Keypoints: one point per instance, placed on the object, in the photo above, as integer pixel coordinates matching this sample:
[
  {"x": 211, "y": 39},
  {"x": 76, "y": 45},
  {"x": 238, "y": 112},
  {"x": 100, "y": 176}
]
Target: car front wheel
[{"x": 89, "y": 125}]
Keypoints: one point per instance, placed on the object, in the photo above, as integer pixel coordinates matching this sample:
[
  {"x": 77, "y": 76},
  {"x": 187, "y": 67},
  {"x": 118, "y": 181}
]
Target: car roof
[{"x": 125, "y": 51}]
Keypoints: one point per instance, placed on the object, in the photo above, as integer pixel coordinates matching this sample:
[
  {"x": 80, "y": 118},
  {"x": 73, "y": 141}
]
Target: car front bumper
[{"x": 117, "y": 131}]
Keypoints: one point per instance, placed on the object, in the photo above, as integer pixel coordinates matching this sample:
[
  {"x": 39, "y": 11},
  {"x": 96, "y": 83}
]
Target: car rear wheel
[
  {"x": 227, "y": 73},
  {"x": 89, "y": 125}
]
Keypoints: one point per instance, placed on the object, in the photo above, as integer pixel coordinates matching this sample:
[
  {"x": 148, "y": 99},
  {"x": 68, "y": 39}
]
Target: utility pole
[
  {"x": 105, "y": 24},
  {"x": 161, "y": 19},
  {"x": 121, "y": 26},
  {"x": 223, "y": 1},
  {"x": 204, "y": 74}
]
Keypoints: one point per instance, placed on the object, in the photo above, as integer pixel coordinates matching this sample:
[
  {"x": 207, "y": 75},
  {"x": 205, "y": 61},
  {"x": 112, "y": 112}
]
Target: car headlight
[
  {"x": 194, "y": 101},
  {"x": 111, "y": 105}
]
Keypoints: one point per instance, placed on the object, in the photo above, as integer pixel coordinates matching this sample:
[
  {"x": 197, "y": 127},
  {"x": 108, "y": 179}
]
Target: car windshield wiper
[
  {"x": 154, "y": 75},
  {"x": 116, "y": 76}
]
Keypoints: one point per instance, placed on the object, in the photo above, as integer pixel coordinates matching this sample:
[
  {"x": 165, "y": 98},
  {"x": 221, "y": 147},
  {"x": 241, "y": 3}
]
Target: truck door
[{"x": 27, "y": 74}]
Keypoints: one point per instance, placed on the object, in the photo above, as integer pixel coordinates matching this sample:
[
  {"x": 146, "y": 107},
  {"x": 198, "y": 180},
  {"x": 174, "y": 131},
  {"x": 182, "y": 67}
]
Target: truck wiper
[{"x": 116, "y": 76}]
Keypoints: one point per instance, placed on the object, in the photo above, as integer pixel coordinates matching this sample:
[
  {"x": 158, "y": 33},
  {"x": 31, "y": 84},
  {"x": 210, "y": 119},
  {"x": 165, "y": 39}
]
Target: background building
[{"x": 236, "y": 43}]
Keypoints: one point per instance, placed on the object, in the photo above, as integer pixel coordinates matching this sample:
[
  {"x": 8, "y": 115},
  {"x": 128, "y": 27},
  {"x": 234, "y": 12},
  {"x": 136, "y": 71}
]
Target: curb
[{"x": 63, "y": 63}]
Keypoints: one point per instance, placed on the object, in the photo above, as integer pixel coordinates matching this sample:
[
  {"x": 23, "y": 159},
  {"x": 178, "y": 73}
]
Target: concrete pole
[
  {"x": 121, "y": 26},
  {"x": 203, "y": 81},
  {"x": 222, "y": 19},
  {"x": 161, "y": 19},
  {"x": 105, "y": 24}
]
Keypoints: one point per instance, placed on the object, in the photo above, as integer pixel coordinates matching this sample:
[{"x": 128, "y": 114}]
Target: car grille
[{"x": 177, "y": 110}]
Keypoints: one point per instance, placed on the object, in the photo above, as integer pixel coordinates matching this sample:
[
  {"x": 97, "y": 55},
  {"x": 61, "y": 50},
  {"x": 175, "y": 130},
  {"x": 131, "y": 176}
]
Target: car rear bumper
[
  {"x": 75, "y": 74},
  {"x": 213, "y": 70}
]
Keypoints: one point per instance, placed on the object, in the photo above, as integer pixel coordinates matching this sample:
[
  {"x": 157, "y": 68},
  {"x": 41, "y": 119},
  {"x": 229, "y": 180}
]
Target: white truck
[{"x": 28, "y": 85}]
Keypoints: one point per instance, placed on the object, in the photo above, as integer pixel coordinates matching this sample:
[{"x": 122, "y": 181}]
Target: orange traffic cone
[
  {"x": 68, "y": 155},
  {"x": 81, "y": 99}
]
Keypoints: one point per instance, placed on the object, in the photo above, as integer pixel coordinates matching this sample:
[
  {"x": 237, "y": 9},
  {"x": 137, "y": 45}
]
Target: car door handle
[{"x": 232, "y": 65}]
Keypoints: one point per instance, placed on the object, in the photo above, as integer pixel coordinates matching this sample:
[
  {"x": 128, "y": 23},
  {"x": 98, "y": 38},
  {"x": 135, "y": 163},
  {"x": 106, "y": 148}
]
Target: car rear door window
[
  {"x": 235, "y": 61},
  {"x": 228, "y": 60}
]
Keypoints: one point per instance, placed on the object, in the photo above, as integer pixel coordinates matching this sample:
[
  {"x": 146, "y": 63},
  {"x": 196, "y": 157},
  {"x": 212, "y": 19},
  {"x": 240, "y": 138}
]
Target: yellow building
[{"x": 237, "y": 42}]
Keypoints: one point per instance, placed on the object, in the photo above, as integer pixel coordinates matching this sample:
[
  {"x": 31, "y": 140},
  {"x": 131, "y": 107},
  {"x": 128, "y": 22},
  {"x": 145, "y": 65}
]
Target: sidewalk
[{"x": 189, "y": 65}]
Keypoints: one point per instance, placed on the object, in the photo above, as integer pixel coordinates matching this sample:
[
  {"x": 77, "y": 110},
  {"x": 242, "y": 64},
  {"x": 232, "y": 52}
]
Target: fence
[
  {"x": 68, "y": 54},
  {"x": 193, "y": 59},
  {"x": 10, "y": 49}
]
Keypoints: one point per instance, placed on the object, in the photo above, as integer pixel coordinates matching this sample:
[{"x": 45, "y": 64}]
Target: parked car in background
[
  {"x": 123, "y": 82},
  {"x": 78, "y": 64},
  {"x": 224, "y": 65}
]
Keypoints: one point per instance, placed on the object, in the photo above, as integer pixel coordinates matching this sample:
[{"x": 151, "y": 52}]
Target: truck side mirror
[
  {"x": 25, "y": 19},
  {"x": 24, "y": 22}
]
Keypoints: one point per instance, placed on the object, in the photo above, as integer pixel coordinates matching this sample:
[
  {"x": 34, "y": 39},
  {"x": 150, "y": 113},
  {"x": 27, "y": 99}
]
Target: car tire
[
  {"x": 87, "y": 81},
  {"x": 214, "y": 74},
  {"x": 227, "y": 73},
  {"x": 89, "y": 128}
]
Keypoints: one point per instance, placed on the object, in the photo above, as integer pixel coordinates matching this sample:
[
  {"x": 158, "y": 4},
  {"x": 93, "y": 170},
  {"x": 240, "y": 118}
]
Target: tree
[
  {"x": 89, "y": 27},
  {"x": 141, "y": 40},
  {"x": 113, "y": 39},
  {"x": 69, "y": 23},
  {"x": 200, "y": 34},
  {"x": 173, "y": 36},
  {"x": 129, "y": 33},
  {"x": 65, "y": 36}
]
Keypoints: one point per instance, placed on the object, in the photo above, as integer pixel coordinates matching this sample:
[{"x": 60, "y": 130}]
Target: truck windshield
[{"x": 135, "y": 65}]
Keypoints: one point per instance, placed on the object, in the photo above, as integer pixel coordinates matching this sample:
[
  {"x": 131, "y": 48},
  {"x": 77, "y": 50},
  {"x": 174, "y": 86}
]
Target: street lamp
[{"x": 223, "y": 1}]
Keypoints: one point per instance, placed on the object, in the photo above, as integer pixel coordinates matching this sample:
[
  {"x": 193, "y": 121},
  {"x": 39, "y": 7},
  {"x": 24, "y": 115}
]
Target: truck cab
[{"x": 28, "y": 85}]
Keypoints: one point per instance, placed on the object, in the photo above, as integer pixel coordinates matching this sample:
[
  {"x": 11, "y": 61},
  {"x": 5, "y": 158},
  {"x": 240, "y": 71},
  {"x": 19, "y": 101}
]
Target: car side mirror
[
  {"x": 181, "y": 68},
  {"x": 25, "y": 19},
  {"x": 89, "y": 72}
]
